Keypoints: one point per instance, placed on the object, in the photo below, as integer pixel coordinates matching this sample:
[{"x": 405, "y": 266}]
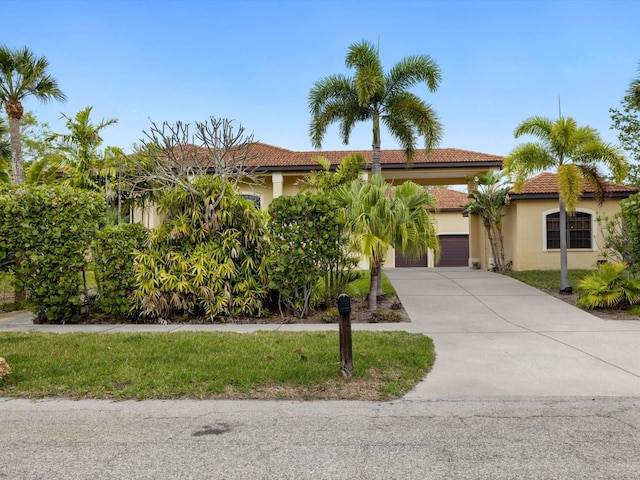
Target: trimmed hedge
[{"x": 45, "y": 234}]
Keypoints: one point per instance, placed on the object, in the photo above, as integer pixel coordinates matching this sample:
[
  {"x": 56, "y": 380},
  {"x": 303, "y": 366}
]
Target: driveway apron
[{"x": 496, "y": 336}]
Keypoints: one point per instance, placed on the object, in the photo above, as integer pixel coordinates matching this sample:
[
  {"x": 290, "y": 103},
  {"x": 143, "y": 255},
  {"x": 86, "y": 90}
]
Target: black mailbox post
[
  {"x": 344, "y": 304},
  {"x": 346, "y": 343}
]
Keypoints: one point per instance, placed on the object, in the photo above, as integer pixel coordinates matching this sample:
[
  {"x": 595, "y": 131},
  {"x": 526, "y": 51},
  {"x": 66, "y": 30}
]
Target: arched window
[
  {"x": 578, "y": 230},
  {"x": 256, "y": 199}
]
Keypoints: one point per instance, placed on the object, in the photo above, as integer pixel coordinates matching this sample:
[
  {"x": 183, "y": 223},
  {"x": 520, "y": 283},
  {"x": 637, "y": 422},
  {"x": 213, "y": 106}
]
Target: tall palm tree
[
  {"x": 22, "y": 74},
  {"x": 574, "y": 153},
  {"x": 489, "y": 201},
  {"x": 373, "y": 95}
]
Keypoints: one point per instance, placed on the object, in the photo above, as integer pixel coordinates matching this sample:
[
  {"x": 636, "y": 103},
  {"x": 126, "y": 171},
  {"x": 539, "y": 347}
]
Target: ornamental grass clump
[{"x": 611, "y": 286}]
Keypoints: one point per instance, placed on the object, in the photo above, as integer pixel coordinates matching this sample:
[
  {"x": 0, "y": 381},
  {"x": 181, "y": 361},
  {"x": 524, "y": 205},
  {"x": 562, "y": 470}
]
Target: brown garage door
[
  {"x": 455, "y": 251},
  {"x": 405, "y": 261}
]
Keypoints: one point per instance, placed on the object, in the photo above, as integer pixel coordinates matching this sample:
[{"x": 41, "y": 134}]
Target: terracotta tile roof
[
  {"x": 273, "y": 157},
  {"x": 545, "y": 184},
  {"x": 449, "y": 199}
]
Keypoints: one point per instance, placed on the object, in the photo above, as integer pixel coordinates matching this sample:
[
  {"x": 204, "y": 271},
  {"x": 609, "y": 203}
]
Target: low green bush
[
  {"x": 307, "y": 246},
  {"x": 114, "y": 251},
  {"x": 610, "y": 286}
]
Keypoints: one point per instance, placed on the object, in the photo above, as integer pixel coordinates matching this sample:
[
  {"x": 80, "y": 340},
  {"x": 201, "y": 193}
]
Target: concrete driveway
[{"x": 495, "y": 336}]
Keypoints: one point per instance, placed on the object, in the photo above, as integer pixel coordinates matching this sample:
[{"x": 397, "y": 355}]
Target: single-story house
[
  {"x": 281, "y": 171},
  {"x": 532, "y": 231},
  {"x": 530, "y": 225}
]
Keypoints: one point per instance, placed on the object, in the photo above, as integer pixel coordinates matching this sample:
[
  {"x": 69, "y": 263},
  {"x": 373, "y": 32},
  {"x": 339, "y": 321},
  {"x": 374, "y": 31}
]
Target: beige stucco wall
[
  {"x": 479, "y": 245},
  {"x": 524, "y": 232},
  {"x": 451, "y": 223}
]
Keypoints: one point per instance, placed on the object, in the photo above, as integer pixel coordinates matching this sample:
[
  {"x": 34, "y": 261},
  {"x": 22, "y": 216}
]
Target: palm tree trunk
[
  {"x": 16, "y": 150},
  {"x": 497, "y": 247},
  {"x": 373, "y": 285},
  {"x": 564, "y": 279},
  {"x": 376, "y": 166},
  {"x": 379, "y": 292}
]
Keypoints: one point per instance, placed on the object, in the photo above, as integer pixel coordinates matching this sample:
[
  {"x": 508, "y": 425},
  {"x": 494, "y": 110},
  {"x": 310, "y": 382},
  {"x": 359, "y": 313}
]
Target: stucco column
[{"x": 277, "y": 181}]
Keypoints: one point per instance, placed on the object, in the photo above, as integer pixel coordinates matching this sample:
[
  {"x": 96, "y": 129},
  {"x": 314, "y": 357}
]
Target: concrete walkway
[{"x": 494, "y": 337}]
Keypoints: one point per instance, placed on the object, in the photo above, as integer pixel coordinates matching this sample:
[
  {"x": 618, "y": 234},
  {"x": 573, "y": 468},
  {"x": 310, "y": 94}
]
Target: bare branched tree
[{"x": 171, "y": 155}]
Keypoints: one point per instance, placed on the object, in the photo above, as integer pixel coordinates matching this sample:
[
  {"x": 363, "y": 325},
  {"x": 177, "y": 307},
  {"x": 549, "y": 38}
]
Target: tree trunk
[
  {"x": 376, "y": 166},
  {"x": 497, "y": 245},
  {"x": 379, "y": 292},
  {"x": 373, "y": 285},
  {"x": 16, "y": 150},
  {"x": 564, "y": 279}
]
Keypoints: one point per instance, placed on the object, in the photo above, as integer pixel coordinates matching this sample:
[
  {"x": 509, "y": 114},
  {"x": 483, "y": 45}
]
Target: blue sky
[{"x": 255, "y": 61}]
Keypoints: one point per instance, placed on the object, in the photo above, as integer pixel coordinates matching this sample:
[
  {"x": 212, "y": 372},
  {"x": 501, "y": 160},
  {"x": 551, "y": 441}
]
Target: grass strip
[
  {"x": 262, "y": 365},
  {"x": 548, "y": 279}
]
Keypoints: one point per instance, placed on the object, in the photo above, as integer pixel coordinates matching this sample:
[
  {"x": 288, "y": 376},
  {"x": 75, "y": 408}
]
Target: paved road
[
  {"x": 543, "y": 438},
  {"x": 524, "y": 386}
]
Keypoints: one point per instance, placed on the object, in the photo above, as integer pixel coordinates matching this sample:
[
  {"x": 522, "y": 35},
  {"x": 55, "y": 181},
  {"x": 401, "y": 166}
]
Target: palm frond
[
  {"x": 412, "y": 70},
  {"x": 537, "y": 126},
  {"x": 570, "y": 186},
  {"x": 590, "y": 174},
  {"x": 525, "y": 160}
]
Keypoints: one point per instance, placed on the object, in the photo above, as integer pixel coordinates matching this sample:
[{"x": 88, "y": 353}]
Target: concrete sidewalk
[{"x": 494, "y": 337}]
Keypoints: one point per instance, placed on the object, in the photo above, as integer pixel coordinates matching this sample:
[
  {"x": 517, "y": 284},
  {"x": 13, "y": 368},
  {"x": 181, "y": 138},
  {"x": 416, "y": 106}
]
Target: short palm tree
[
  {"x": 611, "y": 286},
  {"x": 574, "y": 153},
  {"x": 22, "y": 75},
  {"x": 489, "y": 201},
  {"x": 326, "y": 181},
  {"x": 415, "y": 228},
  {"x": 83, "y": 160},
  {"x": 373, "y": 95},
  {"x": 380, "y": 217}
]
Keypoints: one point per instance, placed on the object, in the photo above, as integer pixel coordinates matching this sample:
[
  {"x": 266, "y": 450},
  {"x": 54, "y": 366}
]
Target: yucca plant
[{"x": 610, "y": 286}]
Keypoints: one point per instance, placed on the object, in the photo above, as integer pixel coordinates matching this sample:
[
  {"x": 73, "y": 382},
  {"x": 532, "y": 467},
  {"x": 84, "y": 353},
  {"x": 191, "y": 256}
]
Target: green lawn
[
  {"x": 360, "y": 287},
  {"x": 274, "y": 365},
  {"x": 548, "y": 279}
]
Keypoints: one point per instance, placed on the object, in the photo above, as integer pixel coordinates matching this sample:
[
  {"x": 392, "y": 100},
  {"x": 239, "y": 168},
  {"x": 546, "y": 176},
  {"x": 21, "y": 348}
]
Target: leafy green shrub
[
  {"x": 114, "y": 250},
  {"x": 610, "y": 286},
  {"x": 45, "y": 232},
  {"x": 621, "y": 233},
  {"x": 307, "y": 245},
  {"x": 331, "y": 315},
  {"x": 209, "y": 257}
]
